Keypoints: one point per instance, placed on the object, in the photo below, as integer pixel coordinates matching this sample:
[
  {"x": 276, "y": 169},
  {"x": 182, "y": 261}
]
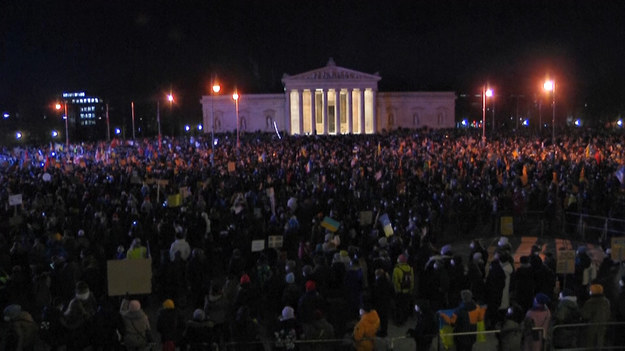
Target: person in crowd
[
  {"x": 596, "y": 310},
  {"x": 382, "y": 297},
  {"x": 538, "y": 316},
  {"x": 523, "y": 284},
  {"x": 244, "y": 331},
  {"x": 137, "y": 332},
  {"x": 309, "y": 302},
  {"x": 180, "y": 245},
  {"x": 366, "y": 328},
  {"x": 567, "y": 312},
  {"x": 511, "y": 334},
  {"x": 426, "y": 327},
  {"x": 288, "y": 330},
  {"x": 136, "y": 250},
  {"x": 21, "y": 329},
  {"x": 199, "y": 333},
  {"x": 464, "y": 319},
  {"x": 319, "y": 329},
  {"x": 404, "y": 284},
  {"x": 78, "y": 317},
  {"x": 170, "y": 325}
]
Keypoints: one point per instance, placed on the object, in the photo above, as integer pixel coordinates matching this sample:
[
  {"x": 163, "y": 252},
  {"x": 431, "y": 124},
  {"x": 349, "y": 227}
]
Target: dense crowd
[{"x": 196, "y": 214}]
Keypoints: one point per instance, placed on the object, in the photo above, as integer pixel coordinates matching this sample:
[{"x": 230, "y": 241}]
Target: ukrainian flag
[{"x": 330, "y": 224}]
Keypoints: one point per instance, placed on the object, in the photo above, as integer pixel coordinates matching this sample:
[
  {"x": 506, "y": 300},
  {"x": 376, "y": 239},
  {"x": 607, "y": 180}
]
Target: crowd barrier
[{"x": 577, "y": 335}]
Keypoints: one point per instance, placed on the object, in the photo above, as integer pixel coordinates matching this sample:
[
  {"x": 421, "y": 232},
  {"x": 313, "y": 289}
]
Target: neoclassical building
[{"x": 330, "y": 100}]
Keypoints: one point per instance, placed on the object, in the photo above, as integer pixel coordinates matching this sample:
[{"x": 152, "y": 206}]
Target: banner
[
  {"x": 330, "y": 224},
  {"x": 132, "y": 276},
  {"x": 565, "y": 262}
]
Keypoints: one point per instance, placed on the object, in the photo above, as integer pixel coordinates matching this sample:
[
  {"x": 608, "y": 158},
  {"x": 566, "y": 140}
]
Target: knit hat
[
  {"x": 466, "y": 296},
  {"x": 541, "y": 299},
  {"x": 446, "y": 250},
  {"x": 503, "y": 241},
  {"x": 198, "y": 315},
  {"x": 245, "y": 279},
  {"x": 134, "y": 305},
  {"x": 168, "y": 304},
  {"x": 402, "y": 258},
  {"x": 596, "y": 289},
  {"x": 288, "y": 313},
  {"x": 290, "y": 278},
  {"x": 310, "y": 285},
  {"x": 11, "y": 312}
]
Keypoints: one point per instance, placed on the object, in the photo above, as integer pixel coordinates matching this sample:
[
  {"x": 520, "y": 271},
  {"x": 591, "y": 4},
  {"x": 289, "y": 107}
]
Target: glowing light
[
  {"x": 54, "y": 134},
  {"x": 187, "y": 128},
  {"x": 489, "y": 92},
  {"x": 548, "y": 85},
  {"x": 465, "y": 122},
  {"x": 235, "y": 96},
  {"x": 18, "y": 135},
  {"x": 526, "y": 122},
  {"x": 216, "y": 88},
  {"x": 5, "y": 115},
  {"x": 578, "y": 123},
  {"x": 216, "y": 141},
  {"x": 170, "y": 98},
  {"x": 619, "y": 122},
  {"x": 58, "y": 106},
  {"x": 118, "y": 131},
  {"x": 199, "y": 127}
]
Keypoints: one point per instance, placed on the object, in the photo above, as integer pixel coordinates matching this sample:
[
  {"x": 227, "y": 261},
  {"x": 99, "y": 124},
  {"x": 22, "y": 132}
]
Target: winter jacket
[
  {"x": 596, "y": 310},
  {"x": 464, "y": 319},
  {"x": 136, "y": 327},
  {"x": 511, "y": 336},
  {"x": 398, "y": 275},
  {"x": 364, "y": 331},
  {"x": 567, "y": 312}
]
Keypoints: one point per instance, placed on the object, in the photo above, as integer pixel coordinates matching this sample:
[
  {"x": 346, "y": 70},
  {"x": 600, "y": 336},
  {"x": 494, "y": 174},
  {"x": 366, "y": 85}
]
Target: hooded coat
[
  {"x": 567, "y": 312},
  {"x": 364, "y": 331},
  {"x": 136, "y": 327}
]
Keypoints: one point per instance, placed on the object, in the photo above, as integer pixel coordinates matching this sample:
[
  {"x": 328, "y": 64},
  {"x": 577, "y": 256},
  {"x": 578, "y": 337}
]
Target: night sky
[{"x": 136, "y": 51}]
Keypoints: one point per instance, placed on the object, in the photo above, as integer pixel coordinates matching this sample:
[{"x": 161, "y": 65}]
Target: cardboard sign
[
  {"x": 275, "y": 241},
  {"x": 258, "y": 245},
  {"x": 174, "y": 200},
  {"x": 565, "y": 263},
  {"x": 366, "y": 217},
  {"x": 507, "y": 225},
  {"x": 15, "y": 200},
  {"x": 618, "y": 249},
  {"x": 133, "y": 276}
]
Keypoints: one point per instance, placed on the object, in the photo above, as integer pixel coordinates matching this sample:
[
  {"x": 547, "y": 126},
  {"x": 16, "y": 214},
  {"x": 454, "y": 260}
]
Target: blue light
[
  {"x": 54, "y": 134},
  {"x": 5, "y": 115},
  {"x": 18, "y": 135},
  {"x": 199, "y": 127},
  {"x": 465, "y": 122},
  {"x": 526, "y": 122},
  {"x": 187, "y": 128},
  {"x": 578, "y": 122},
  {"x": 118, "y": 131},
  {"x": 216, "y": 141},
  {"x": 619, "y": 122},
  {"x": 53, "y": 154}
]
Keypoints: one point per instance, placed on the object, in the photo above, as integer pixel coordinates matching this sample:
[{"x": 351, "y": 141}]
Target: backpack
[{"x": 406, "y": 280}]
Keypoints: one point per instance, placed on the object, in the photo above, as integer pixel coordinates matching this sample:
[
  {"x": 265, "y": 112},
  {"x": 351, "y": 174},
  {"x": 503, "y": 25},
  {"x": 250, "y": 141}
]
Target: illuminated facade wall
[{"x": 330, "y": 100}]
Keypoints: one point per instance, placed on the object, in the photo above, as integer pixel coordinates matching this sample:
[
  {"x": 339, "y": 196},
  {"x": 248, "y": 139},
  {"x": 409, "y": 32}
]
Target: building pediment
[{"x": 331, "y": 72}]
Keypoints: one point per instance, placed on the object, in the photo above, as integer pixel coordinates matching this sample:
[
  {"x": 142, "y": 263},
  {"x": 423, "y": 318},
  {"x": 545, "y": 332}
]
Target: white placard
[
  {"x": 15, "y": 200},
  {"x": 258, "y": 245}
]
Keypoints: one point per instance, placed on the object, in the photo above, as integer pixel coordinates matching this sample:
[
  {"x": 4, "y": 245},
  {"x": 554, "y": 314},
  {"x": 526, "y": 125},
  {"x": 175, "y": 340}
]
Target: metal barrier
[
  {"x": 441, "y": 347},
  {"x": 613, "y": 336}
]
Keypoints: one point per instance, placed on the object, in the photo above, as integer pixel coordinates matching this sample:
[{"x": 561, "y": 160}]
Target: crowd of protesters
[{"x": 196, "y": 214}]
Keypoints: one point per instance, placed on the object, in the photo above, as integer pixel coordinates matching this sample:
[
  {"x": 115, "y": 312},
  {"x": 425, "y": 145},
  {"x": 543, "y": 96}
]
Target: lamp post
[
  {"x": 216, "y": 88},
  {"x": 550, "y": 85},
  {"x": 170, "y": 98},
  {"x": 58, "y": 107},
  {"x": 485, "y": 93},
  {"x": 235, "y": 97}
]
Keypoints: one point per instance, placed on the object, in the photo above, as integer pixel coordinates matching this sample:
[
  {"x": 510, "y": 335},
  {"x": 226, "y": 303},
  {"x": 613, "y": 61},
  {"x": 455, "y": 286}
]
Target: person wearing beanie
[
  {"x": 247, "y": 295},
  {"x": 199, "y": 331},
  {"x": 291, "y": 292},
  {"x": 464, "y": 319},
  {"x": 595, "y": 310},
  {"x": 308, "y": 303},
  {"x": 288, "y": 329},
  {"x": 366, "y": 328},
  {"x": 538, "y": 316},
  {"x": 170, "y": 325},
  {"x": 567, "y": 312},
  {"x": 137, "y": 333},
  {"x": 79, "y": 312},
  {"x": 21, "y": 330},
  {"x": 403, "y": 283}
]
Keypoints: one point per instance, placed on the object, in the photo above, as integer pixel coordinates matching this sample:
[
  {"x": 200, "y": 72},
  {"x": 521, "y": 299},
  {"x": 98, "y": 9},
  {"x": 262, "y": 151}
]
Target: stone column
[
  {"x": 313, "y": 112},
  {"x": 337, "y": 111},
  {"x": 300, "y": 95},
  {"x": 362, "y": 111},
  {"x": 288, "y": 112},
  {"x": 325, "y": 111},
  {"x": 374, "y": 96},
  {"x": 350, "y": 117}
]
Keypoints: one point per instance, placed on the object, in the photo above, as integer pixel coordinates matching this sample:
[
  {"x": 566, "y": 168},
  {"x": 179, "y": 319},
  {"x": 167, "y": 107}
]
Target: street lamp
[
  {"x": 216, "y": 89},
  {"x": 550, "y": 85},
  {"x": 58, "y": 107},
  {"x": 235, "y": 97},
  {"x": 485, "y": 93},
  {"x": 170, "y": 98}
]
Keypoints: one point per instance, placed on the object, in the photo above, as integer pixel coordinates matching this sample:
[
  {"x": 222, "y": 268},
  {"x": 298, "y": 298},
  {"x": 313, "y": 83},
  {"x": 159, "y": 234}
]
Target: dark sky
[{"x": 137, "y": 50}]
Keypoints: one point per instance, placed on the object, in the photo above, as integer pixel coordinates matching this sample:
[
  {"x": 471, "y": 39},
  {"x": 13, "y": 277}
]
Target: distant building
[
  {"x": 86, "y": 116},
  {"x": 328, "y": 101}
]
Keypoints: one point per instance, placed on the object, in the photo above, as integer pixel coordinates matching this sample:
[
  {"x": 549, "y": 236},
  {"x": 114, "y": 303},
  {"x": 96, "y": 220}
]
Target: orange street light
[
  {"x": 216, "y": 88},
  {"x": 485, "y": 93},
  {"x": 550, "y": 86},
  {"x": 235, "y": 97}
]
